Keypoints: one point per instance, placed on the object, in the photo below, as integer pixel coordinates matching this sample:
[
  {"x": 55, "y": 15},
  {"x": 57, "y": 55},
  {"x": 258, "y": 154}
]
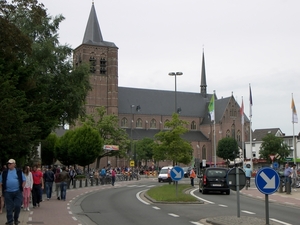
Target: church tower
[
  {"x": 102, "y": 57},
  {"x": 203, "y": 84}
]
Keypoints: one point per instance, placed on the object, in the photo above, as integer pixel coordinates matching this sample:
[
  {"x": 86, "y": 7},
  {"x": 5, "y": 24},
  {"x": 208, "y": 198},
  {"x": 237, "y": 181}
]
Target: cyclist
[{"x": 248, "y": 172}]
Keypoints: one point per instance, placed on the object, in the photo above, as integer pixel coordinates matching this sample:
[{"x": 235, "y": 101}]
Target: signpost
[
  {"x": 176, "y": 174},
  {"x": 267, "y": 182}
]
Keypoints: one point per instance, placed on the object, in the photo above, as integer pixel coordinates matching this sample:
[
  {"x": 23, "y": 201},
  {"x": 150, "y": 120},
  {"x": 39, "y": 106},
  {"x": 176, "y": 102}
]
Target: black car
[
  {"x": 186, "y": 171},
  {"x": 213, "y": 179}
]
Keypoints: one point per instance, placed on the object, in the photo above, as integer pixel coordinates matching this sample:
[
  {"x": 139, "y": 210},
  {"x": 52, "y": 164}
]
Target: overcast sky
[{"x": 245, "y": 42}]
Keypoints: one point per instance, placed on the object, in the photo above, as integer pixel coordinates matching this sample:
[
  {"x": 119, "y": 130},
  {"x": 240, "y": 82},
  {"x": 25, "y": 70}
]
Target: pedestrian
[
  {"x": 113, "y": 176},
  {"x": 192, "y": 176},
  {"x": 248, "y": 173},
  {"x": 72, "y": 174},
  {"x": 287, "y": 177},
  {"x": 103, "y": 175},
  {"x": 294, "y": 177},
  {"x": 12, "y": 182},
  {"x": 64, "y": 178},
  {"x": 48, "y": 179},
  {"x": 57, "y": 183},
  {"x": 27, "y": 188},
  {"x": 38, "y": 186}
]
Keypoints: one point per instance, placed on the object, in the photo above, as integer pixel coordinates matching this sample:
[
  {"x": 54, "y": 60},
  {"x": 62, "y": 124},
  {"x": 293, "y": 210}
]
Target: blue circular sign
[
  {"x": 267, "y": 180},
  {"x": 176, "y": 173},
  {"x": 275, "y": 165}
]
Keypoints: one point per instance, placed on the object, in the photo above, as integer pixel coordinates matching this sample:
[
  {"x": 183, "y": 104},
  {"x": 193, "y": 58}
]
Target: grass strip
[{"x": 167, "y": 193}]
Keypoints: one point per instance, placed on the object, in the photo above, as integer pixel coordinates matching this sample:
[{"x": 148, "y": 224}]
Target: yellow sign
[{"x": 131, "y": 163}]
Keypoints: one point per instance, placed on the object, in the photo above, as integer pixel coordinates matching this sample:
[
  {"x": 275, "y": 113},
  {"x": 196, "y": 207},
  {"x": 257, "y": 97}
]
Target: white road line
[
  {"x": 223, "y": 205},
  {"x": 196, "y": 223},
  {"x": 244, "y": 211},
  {"x": 152, "y": 185},
  {"x": 74, "y": 218},
  {"x": 155, "y": 207},
  {"x": 192, "y": 193},
  {"x": 172, "y": 214},
  {"x": 139, "y": 198},
  {"x": 278, "y": 221},
  {"x": 70, "y": 212},
  {"x": 289, "y": 203}
]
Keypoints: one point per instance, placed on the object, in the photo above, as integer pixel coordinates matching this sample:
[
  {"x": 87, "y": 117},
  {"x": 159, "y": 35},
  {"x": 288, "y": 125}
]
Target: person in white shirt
[{"x": 27, "y": 188}]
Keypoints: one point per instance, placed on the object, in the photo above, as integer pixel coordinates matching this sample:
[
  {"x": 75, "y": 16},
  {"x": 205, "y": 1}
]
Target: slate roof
[
  {"x": 259, "y": 134},
  {"x": 93, "y": 35}
]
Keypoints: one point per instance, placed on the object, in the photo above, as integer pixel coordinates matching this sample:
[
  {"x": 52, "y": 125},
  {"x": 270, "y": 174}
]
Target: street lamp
[
  {"x": 176, "y": 74},
  {"x": 131, "y": 107}
]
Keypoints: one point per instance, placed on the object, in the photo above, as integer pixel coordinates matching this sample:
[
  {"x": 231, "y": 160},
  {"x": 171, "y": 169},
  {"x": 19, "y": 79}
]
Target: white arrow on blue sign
[
  {"x": 176, "y": 173},
  {"x": 267, "y": 180}
]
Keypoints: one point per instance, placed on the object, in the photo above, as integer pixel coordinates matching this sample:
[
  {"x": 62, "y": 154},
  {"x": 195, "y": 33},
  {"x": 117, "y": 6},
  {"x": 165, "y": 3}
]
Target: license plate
[{"x": 216, "y": 185}]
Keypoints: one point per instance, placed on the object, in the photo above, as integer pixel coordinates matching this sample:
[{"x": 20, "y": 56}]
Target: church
[{"x": 143, "y": 112}]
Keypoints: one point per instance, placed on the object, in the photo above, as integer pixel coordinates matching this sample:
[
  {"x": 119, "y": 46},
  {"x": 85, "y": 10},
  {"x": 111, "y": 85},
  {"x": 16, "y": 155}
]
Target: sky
[{"x": 245, "y": 43}]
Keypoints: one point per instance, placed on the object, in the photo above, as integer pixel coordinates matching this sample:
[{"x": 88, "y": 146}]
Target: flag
[
  {"x": 242, "y": 112},
  {"x": 294, "y": 112},
  {"x": 251, "y": 103},
  {"x": 211, "y": 108}
]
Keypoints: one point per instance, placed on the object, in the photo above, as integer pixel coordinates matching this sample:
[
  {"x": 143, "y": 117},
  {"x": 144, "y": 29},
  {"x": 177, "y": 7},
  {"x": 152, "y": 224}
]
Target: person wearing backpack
[{"x": 12, "y": 182}]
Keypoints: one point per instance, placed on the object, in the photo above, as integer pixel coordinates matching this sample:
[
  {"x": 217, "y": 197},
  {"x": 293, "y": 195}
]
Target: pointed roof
[
  {"x": 93, "y": 35},
  {"x": 203, "y": 78}
]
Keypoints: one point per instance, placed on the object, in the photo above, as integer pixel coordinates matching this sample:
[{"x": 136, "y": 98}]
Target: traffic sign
[
  {"x": 275, "y": 165},
  {"x": 231, "y": 179},
  {"x": 131, "y": 162},
  {"x": 267, "y": 180},
  {"x": 177, "y": 173},
  {"x": 272, "y": 157}
]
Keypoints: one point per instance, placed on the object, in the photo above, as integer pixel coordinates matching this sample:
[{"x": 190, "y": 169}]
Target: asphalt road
[{"x": 121, "y": 205}]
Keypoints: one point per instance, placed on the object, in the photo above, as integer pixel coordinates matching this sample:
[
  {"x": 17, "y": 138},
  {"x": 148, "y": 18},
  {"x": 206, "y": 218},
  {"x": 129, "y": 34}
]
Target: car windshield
[
  {"x": 185, "y": 169},
  {"x": 163, "y": 171},
  {"x": 216, "y": 173}
]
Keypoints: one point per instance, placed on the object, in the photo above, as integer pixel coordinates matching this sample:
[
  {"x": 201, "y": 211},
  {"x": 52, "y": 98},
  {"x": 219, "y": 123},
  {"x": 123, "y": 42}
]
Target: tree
[
  {"x": 271, "y": 146},
  {"x": 38, "y": 87},
  {"x": 144, "y": 149},
  {"x": 108, "y": 128},
  {"x": 171, "y": 146},
  {"x": 48, "y": 149},
  {"x": 228, "y": 149},
  {"x": 62, "y": 147}
]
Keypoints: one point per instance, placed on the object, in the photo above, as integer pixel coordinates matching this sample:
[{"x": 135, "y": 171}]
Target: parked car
[
  {"x": 186, "y": 171},
  {"x": 213, "y": 179}
]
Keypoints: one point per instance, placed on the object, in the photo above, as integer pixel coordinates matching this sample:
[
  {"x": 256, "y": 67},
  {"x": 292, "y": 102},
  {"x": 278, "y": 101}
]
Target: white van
[{"x": 163, "y": 174}]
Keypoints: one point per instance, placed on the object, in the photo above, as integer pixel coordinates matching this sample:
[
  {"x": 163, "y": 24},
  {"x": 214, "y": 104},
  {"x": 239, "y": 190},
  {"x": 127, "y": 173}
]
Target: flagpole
[
  {"x": 215, "y": 152},
  {"x": 293, "y": 122},
  {"x": 250, "y": 115},
  {"x": 243, "y": 121}
]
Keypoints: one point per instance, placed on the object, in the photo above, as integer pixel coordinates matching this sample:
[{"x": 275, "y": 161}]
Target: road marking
[
  {"x": 172, "y": 214},
  {"x": 244, "y": 211},
  {"x": 139, "y": 198},
  {"x": 278, "y": 221},
  {"x": 192, "y": 193},
  {"x": 74, "y": 218},
  {"x": 70, "y": 213},
  {"x": 289, "y": 203},
  {"x": 155, "y": 207},
  {"x": 223, "y": 205},
  {"x": 196, "y": 223}
]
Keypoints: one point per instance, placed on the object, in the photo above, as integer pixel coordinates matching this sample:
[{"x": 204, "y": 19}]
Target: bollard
[
  {"x": 280, "y": 190},
  {"x": 80, "y": 183},
  {"x": 92, "y": 181},
  {"x": 86, "y": 182},
  {"x": 74, "y": 183},
  {"x": 97, "y": 182},
  {"x": 288, "y": 187}
]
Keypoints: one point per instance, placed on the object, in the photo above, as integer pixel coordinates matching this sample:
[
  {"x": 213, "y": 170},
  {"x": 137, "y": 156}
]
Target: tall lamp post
[
  {"x": 131, "y": 107},
  {"x": 175, "y": 74}
]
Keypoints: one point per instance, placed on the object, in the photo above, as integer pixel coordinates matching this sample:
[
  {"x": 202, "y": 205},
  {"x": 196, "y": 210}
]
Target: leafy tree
[
  {"x": 85, "y": 145},
  {"x": 62, "y": 147},
  {"x": 171, "y": 146},
  {"x": 144, "y": 149},
  {"x": 38, "y": 87},
  {"x": 228, "y": 149},
  {"x": 271, "y": 146},
  {"x": 48, "y": 149},
  {"x": 108, "y": 128}
]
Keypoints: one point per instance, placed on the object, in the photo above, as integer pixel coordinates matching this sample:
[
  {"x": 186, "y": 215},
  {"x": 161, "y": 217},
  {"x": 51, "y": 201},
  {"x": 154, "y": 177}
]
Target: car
[
  {"x": 213, "y": 179},
  {"x": 163, "y": 174},
  {"x": 186, "y": 171}
]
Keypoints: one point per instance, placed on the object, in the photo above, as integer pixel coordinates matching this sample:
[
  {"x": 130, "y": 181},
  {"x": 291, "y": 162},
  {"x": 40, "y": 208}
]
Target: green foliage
[
  {"x": 62, "y": 147},
  {"x": 171, "y": 146},
  {"x": 48, "y": 149},
  {"x": 144, "y": 149},
  {"x": 38, "y": 87},
  {"x": 228, "y": 149},
  {"x": 271, "y": 146}
]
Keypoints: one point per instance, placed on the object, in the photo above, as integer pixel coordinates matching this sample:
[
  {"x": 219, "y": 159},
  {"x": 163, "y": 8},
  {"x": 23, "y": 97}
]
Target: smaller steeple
[
  {"x": 92, "y": 33},
  {"x": 203, "y": 78}
]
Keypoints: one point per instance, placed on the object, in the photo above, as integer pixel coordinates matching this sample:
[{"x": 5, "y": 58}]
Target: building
[{"x": 143, "y": 112}]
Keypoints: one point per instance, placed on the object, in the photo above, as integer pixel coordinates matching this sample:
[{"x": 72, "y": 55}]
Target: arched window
[
  {"x": 238, "y": 135},
  {"x": 124, "y": 122},
  {"x": 193, "y": 125},
  {"x": 153, "y": 123},
  {"x": 233, "y": 131},
  {"x": 203, "y": 152},
  {"x": 228, "y": 133},
  {"x": 139, "y": 123}
]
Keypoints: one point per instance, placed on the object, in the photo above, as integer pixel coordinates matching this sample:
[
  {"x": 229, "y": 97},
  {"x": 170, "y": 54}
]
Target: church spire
[
  {"x": 92, "y": 33},
  {"x": 203, "y": 78}
]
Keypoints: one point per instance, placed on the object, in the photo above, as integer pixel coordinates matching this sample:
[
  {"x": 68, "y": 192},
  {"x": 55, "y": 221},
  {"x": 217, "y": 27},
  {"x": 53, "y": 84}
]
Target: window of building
[
  {"x": 153, "y": 123},
  {"x": 139, "y": 123},
  {"x": 238, "y": 136},
  {"x": 124, "y": 122},
  {"x": 228, "y": 133},
  {"x": 193, "y": 125},
  {"x": 203, "y": 152},
  {"x": 233, "y": 131},
  {"x": 102, "y": 66},
  {"x": 92, "y": 64}
]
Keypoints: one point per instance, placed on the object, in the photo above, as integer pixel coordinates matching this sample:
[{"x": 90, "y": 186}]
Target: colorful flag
[
  {"x": 294, "y": 112},
  {"x": 242, "y": 112},
  {"x": 251, "y": 103},
  {"x": 211, "y": 108}
]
